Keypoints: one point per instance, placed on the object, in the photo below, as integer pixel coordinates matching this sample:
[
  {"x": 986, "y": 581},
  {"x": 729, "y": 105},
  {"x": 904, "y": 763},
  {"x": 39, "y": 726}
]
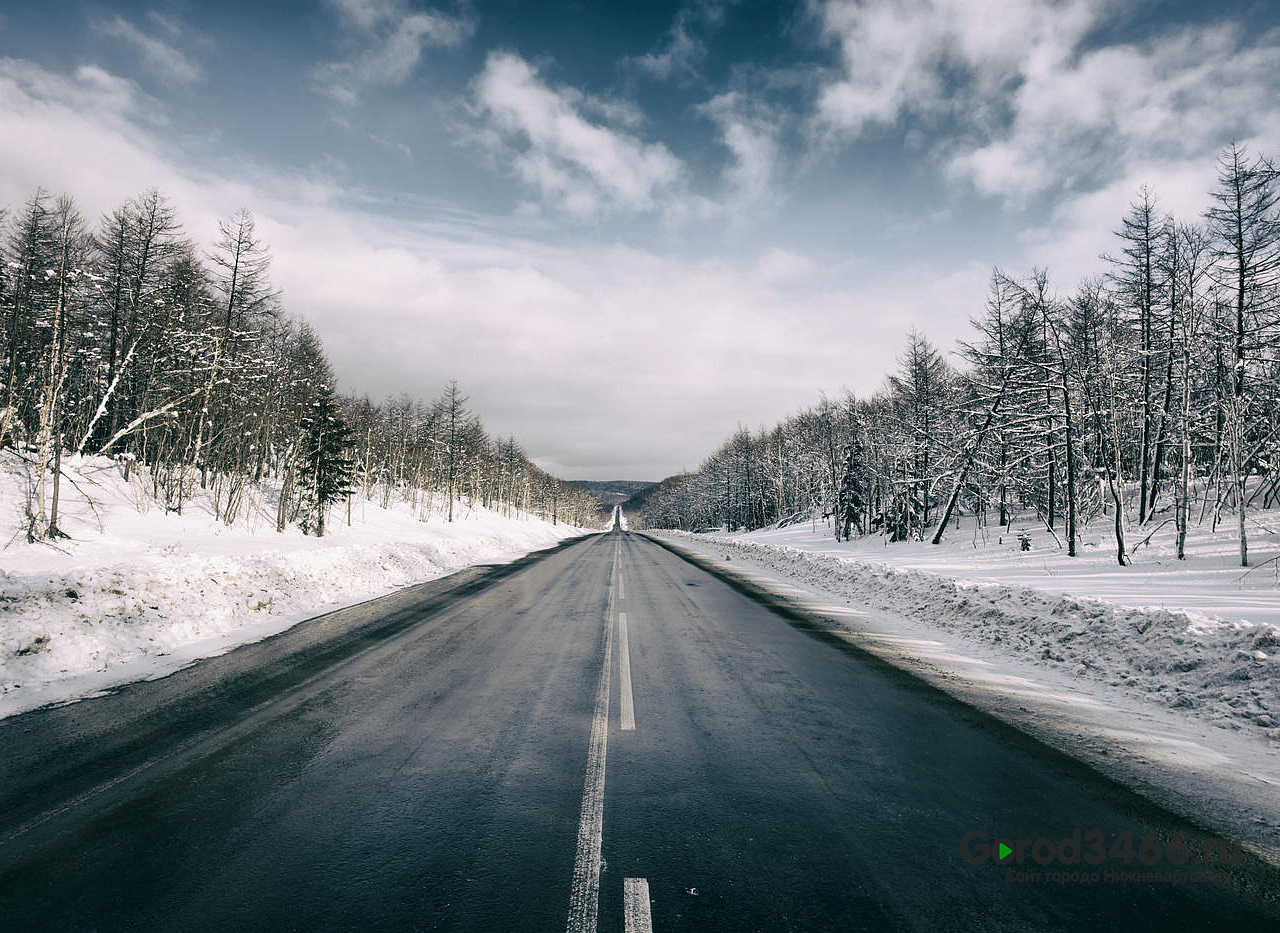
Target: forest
[
  {"x": 1149, "y": 395},
  {"x": 127, "y": 339}
]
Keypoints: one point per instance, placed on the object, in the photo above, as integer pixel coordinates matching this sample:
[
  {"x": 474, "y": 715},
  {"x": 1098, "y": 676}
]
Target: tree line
[
  {"x": 1149, "y": 395},
  {"x": 127, "y": 339}
]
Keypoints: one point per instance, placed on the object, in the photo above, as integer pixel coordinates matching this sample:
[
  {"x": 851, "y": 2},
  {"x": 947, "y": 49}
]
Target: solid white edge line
[
  {"x": 584, "y": 901},
  {"x": 624, "y": 671},
  {"x": 635, "y": 906}
]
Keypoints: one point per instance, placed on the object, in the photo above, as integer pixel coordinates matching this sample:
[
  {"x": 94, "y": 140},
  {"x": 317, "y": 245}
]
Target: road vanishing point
[{"x": 602, "y": 736}]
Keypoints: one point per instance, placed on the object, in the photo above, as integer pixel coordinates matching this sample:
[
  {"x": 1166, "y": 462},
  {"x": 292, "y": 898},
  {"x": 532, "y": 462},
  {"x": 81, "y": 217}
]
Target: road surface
[{"x": 601, "y": 737}]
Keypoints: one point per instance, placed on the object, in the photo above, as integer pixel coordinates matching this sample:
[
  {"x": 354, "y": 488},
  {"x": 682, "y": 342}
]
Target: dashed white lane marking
[
  {"x": 584, "y": 902},
  {"x": 622, "y": 588},
  {"x": 635, "y": 906},
  {"x": 624, "y": 672}
]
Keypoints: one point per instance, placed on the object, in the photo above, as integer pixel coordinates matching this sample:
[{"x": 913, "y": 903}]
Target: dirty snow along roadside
[
  {"x": 1221, "y": 670},
  {"x": 135, "y": 593},
  {"x": 985, "y": 644}
]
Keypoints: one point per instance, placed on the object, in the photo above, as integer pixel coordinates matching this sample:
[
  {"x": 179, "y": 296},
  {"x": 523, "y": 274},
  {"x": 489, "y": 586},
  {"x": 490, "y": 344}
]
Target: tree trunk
[
  {"x": 1184, "y": 477},
  {"x": 1071, "y": 466}
]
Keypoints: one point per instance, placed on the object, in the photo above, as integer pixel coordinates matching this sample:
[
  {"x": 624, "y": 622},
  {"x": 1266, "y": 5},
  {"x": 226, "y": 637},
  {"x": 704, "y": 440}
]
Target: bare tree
[
  {"x": 1246, "y": 252},
  {"x": 70, "y": 248}
]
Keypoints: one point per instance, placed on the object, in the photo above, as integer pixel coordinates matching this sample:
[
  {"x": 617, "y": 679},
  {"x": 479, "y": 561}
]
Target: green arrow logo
[{"x": 1005, "y": 852}]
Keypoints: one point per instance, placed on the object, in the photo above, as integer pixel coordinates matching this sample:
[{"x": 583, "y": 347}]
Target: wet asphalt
[{"x": 418, "y": 763}]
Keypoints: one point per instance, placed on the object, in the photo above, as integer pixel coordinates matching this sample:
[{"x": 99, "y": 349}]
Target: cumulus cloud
[
  {"x": 1175, "y": 99},
  {"x": 903, "y": 56},
  {"x": 162, "y": 58},
  {"x": 1031, "y": 101},
  {"x": 581, "y": 165},
  {"x": 387, "y": 39}
]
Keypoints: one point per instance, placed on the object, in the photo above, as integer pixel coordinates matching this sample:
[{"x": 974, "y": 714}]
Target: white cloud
[
  {"x": 751, "y": 134},
  {"x": 388, "y": 39},
  {"x": 366, "y": 14},
  {"x": 160, "y": 57},
  {"x": 1034, "y": 106},
  {"x": 615, "y": 110},
  {"x": 89, "y": 90},
  {"x": 680, "y": 56},
  {"x": 578, "y": 164},
  {"x": 683, "y": 52},
  {"x": 167, "y": 24},
  {"x": 896, "y": 55},
  {"x": 1171, "y": 100}
]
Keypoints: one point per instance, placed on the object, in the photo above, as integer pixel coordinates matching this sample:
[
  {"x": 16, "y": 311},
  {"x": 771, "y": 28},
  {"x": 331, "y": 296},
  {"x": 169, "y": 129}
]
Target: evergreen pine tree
[
  {"x": 852, "y": 489},
  {"x": 326, "y": 472}
]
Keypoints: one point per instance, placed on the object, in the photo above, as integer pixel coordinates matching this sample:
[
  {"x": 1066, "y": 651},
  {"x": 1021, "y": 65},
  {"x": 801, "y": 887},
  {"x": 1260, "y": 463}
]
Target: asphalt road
[{"x": 604, "y": 736}]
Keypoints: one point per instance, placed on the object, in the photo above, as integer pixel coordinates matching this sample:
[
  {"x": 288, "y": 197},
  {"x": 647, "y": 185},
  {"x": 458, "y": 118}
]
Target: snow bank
[
  {"x": 1224, "y": 671},
  {"x": 134, "y": 593},
  {"x": 1077, "y": 673}
]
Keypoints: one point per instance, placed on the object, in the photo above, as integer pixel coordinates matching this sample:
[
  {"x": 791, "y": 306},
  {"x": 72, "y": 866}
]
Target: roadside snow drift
[
  {"x": 1220, "y": 670},
  {"x": 135, "y": 593}
]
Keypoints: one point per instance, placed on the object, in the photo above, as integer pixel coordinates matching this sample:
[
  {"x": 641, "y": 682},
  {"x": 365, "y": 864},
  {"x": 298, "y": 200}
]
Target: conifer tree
[
  {"x": 853, "y": 496},
  {"x": 326, "y": 472}
]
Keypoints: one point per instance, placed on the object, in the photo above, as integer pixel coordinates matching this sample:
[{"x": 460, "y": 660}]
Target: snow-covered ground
[
  {"x": 1101, "y": 661},
  {"x": 1210, "y": 582},
  {"x": 135, "y": 593}
]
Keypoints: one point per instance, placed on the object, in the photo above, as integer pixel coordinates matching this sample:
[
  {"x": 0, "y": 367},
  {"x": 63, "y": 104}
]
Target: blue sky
[{"x": 626, "y": 228}]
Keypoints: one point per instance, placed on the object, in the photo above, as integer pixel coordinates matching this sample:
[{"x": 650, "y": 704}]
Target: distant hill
[
  {"x": 640, "y": 498},
  {"x": 614, "y": 491}
]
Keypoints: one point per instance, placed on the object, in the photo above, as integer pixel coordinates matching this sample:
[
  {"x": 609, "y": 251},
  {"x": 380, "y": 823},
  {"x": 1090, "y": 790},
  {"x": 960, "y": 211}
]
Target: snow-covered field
[
  {"x": 1210, "y": 582},
  {"x": 135, "y": 593},
  {"x": 1165, "y": 675}
]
